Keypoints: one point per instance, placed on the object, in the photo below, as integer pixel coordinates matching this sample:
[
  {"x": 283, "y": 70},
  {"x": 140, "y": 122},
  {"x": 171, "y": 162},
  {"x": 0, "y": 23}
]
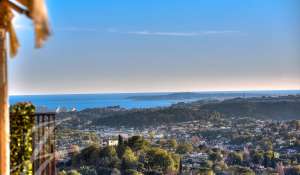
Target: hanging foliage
[{"x": 21, "y": 124}]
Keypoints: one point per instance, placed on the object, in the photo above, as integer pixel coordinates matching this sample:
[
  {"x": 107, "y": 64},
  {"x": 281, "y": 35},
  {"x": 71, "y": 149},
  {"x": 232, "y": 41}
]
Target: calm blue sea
[{"x": 83, "y": 101}]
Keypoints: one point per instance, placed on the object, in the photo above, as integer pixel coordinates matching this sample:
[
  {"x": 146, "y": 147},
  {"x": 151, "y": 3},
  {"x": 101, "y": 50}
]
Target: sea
[{"x": 84, "y": 101}]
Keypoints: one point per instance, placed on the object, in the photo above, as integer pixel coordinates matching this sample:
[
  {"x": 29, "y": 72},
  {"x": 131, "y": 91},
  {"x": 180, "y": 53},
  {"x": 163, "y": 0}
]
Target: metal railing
[{"x": 44, "y": 144}]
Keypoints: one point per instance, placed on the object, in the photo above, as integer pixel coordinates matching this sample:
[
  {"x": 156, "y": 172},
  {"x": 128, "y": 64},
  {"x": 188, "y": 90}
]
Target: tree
[
  {"x": 184, "y": 148},
  {"x": 88, "y": 157},
  {"x": 121, "y": 147},
  {"x": 215, "y": 156},
  {"x": 176, "y": 158},
  {"x": 239, "y": 170},
  {"x": 180, "y": 166},
  {"x": 109, "y": 158},
  {"x": 129, "y": 160},
  {"x": 269, "y": 159},
  {"x": 108, "y": 151},
  {"x": 129, "y": 155},
  {"x": 93, "y": 138},
  {"x": 151, "y": 135},
  {"x": 120, "y": 140},
  {"x": 215, "y": 115},
  {"x": 161, "y": 160},
  {"x": 235, "y": 158},
  {"x": 73, "y": 172},
  {"x": 258, "y": 157},
  {"x": 172, "y": 143},
  {"x": 219, "y": 167},
  {"x": 207, "y": 164},
  {"x": 137, "y": 143},
  {"x": 74, "y": 150},
  {"x": 62, "y": 172},
  {"x": 132, "y": 172},
  {"x": 120, "y": 150},
  {"x": 86, "y": 170},
  {"x": 204, "y": 171},
  {"x": 115, "y": 171},
  {"x": 36, "y": 11},
  {"x": 206, "y": 168},
  {"x": 268, "y": 145}
]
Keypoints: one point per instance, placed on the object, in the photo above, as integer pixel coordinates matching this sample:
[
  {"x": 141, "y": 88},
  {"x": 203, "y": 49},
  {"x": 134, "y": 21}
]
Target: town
[{"x": 213, "y": 146}]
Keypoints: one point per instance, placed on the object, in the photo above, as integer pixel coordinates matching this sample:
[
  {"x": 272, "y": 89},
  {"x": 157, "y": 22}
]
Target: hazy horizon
[
  {"x": 167, "y": 92},
  {"x": 161, "y": 46}
]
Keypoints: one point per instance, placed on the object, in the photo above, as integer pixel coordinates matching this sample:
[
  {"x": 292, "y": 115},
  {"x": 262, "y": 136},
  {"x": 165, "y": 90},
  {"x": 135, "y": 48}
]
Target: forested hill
[
  {"x": 208, "y": 95},
  {"x": 277, "y": 108}
]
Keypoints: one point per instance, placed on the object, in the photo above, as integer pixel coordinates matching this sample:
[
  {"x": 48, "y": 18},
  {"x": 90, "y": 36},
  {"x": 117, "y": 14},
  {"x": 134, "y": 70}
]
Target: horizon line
[{"x": 153, "y": 92}]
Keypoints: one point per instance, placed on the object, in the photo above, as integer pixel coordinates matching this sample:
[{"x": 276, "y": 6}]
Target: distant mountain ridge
[
  {"x": 275, "y": 108},
  {"x": 207, "y": 95}
]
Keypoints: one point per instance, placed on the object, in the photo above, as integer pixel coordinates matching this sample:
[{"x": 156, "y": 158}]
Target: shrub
[{"x": 21, "y": 124}]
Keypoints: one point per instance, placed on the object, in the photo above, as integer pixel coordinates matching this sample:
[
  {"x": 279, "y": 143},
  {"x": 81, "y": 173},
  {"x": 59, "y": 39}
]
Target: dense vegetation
[
  {"x": 277, "y": 108},
  {"x": 258, "y": 108},
  {"x": 21, "y": 125},
  {"x": 131, "y": 157},
  {"x": 137, "y": 156}
]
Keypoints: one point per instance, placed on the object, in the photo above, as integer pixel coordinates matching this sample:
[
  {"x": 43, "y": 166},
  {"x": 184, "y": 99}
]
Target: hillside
[
  {"x": 276, "y": 108},
  {"x": 209, "y": 95}
]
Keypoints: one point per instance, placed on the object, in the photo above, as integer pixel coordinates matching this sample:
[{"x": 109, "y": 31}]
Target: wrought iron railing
[{"x": 44, "y": 144}]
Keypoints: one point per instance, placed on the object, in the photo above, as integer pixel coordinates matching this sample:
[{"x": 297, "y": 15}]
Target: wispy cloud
[
  {"x": 185, "y": 34},
  {"x": 141, "y": 32}
]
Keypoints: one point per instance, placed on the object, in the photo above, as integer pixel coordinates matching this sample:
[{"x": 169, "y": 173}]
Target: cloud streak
[
  {"x": 185, "y": 34},
  {"x": 142, "y": 32}
]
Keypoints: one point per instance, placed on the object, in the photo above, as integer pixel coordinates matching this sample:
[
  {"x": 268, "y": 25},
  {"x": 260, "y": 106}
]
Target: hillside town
[{"x": 215, "y": 145}]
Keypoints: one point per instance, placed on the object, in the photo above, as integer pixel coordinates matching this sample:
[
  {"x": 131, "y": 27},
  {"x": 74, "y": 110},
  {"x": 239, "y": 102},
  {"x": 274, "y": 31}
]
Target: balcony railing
[{"x": 43, "y": 144}]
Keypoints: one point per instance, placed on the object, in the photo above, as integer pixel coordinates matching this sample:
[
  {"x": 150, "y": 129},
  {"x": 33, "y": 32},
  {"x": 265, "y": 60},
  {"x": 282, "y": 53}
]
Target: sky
[{"x": 160, "y": 46}]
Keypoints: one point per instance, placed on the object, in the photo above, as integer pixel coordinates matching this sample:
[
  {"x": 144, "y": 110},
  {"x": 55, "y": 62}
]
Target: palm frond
[
  {"x": 36, "y": 10},
  {"x": 6, "y": 16},
  {"x": 38, "y": 13}
]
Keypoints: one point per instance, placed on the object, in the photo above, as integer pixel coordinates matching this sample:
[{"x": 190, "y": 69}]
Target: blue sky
[{"x": 161, "y": 45}]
